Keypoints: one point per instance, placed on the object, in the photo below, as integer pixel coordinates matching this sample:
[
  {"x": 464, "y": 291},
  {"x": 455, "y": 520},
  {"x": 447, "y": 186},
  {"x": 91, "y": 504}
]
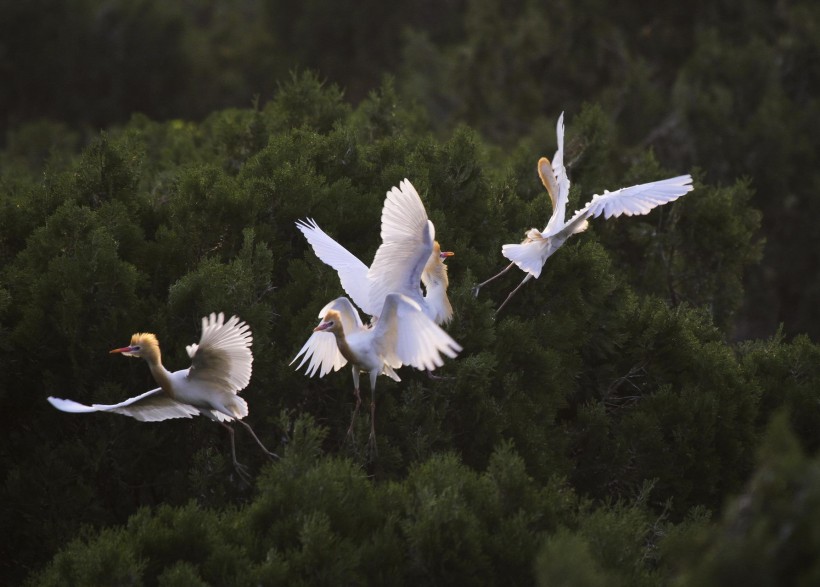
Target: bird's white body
[
  {"x": 407, "y": 257},
  {"x": 221, "y": 365},
  {"x": 531, "y": 255},
  {"x": 211, "y": 400}
]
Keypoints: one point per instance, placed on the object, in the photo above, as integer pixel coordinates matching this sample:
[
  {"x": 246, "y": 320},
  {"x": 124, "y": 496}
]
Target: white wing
[
  {"x": 407, "y": 242},
  {"x": 352, "y": 272},
  {"x": 223, "y": 356},
  {"x": 635, "y": 200},
  {"x": 555, "y": 179},
  {"x": 151, "y": 406},
  {"x": 405, "y": 334},
  {"x": 320, "y": 351}
]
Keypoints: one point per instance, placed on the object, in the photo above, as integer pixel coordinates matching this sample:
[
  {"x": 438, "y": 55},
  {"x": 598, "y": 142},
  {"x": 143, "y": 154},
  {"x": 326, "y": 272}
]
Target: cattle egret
[
  {"x": 403, "y": 334},
  {"x": 531, "y": 254},
  {"x": 220, "y": 368}
]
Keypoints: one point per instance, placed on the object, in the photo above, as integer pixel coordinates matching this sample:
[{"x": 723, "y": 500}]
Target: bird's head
[
  {"x": 143, "y": 344},
  {"x": 435, "y": 269},
  {"x": 332, "y": 322}
]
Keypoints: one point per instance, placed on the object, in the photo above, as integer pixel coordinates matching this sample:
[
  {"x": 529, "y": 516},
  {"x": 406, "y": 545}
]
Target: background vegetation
[{"x": 644, "y": 413}]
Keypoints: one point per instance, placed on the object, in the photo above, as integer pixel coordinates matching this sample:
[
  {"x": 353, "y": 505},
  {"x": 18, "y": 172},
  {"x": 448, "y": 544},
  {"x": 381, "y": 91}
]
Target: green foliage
[
  {"x": 566, "y": 560},
  {"x": 614, "y": 545},
  {"x": 768, "y": 534},
  {"x": 320, "y": 520},
  {"x": 109, "y": 559},
  {"x": 306, "y": 102},
  {"x": 676, "y": 408},
  {"x": 601, "y": 411},
  {"x": 787, "y": 375}
]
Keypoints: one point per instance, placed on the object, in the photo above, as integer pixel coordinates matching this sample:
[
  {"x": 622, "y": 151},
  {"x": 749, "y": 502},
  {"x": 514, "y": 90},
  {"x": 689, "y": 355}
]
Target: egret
[
  {"x": 220, "y": 368},
  {"x": 403, "y": 334},
  {"x": 531, "y": 254},
  {"x": 409, "y": 255}
]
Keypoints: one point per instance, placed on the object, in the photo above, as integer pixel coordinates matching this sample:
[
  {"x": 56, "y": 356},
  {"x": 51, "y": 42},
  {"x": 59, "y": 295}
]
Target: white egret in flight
[
  {"x": 403, "y": 335},
  {"x": 531, "y": 254},
  {"x": 220, "y": 368},
  {"x": 409, "y": 255}
]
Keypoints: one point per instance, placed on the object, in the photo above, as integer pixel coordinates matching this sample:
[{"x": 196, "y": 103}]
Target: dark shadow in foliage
[{"x": 768, "y": 533}]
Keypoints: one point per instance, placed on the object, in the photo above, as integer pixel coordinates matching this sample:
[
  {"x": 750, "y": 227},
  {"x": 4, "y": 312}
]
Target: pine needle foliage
[{"x": 600, "y": 412}]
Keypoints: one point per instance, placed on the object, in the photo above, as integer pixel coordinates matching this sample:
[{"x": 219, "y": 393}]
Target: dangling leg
[
  {"x": 259, "y": 442},
  {"x": 372, "y": 440},
  {"x": 358, "y": 399},
  {"x": 483, "y": 283},
  {"x": 512, "y": 293},
  {"x": 241, "y": 469},
  {"x": 438, "y": 377}
]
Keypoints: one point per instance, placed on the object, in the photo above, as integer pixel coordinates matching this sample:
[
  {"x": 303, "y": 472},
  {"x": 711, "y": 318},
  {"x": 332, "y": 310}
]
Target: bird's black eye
[{"x": 135, "y": 348}]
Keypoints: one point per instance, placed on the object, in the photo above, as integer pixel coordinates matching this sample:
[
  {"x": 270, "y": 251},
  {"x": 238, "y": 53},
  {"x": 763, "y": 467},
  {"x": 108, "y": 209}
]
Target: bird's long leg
[
  {"x": 355, "y": 410},
  {"x": 371, "y": 442},
  {"x": 241, "y": 469},
  {"x": 499, "y": 274},
  {"x": 513, "y": 292},
  {"x": 373, "y": 419},
  {"x": 358, "y": 399},
  {"x": 259, "y": 442},
  {"x": 373, "y": 448}
]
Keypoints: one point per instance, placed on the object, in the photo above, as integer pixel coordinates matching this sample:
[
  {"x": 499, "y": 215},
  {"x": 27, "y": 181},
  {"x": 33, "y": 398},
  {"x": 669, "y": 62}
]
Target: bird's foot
[
  {"x": 243, "y": 472},
  {"x": 435, "y": 377},
  {"x": 372, "y": 448}
]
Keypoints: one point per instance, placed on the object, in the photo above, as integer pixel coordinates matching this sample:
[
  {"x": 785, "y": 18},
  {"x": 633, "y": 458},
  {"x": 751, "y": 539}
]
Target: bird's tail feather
[{"x": 528, "y": 256}]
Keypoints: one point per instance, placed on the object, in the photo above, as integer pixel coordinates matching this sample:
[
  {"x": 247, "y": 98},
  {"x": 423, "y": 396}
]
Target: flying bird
[
  {"x": 403, "y": 335},
  {"x": 220, "y": 369},
  {"x": 531, "y": 254},
  {"x": 408, "y": 256}
]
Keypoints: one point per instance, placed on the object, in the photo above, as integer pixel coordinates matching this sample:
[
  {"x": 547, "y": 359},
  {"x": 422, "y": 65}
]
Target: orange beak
[
  {"x": 125, "y": 349},
  {"x": 322, "y": 326},
  {"x": 445, "y": 254}
]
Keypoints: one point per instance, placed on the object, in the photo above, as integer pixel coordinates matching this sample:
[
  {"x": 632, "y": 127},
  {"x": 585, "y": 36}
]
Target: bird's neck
[
  {"x": 436, "y": 283},
  {"x": 344, "y": 348},
  {"x": 438, "y": 302},
  {"x": 160, "y": 373}
]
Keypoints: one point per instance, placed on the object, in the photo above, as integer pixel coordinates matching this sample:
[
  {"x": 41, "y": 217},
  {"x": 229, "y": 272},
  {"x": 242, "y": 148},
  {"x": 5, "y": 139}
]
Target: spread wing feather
[
  {"x": 407, "y": 336},
  {"x": 320, "y": 351},
  {"x": 635, "y": 200},
  {"x": 407, "y": 242},
  {"x": 151, "y": 406},
  {"x": 352, "y": 272},
  {"x": 555, "y": 179},
  {"x": 223, "y": 357}
]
